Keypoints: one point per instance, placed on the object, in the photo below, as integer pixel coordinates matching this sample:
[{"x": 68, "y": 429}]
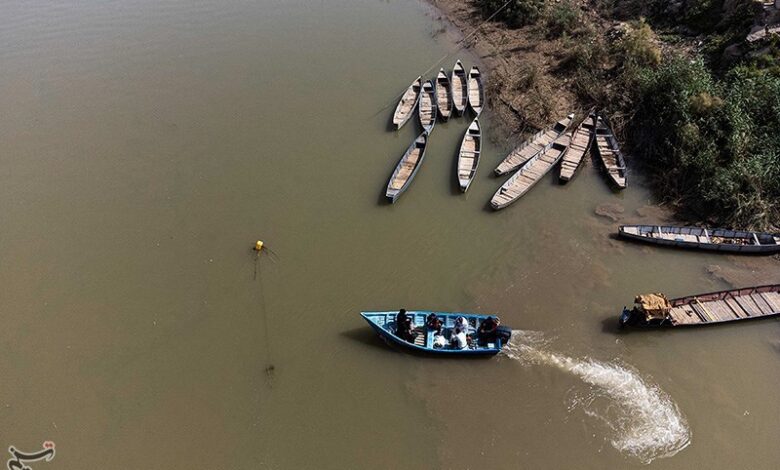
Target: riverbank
[{"x": 689, "y": 101}]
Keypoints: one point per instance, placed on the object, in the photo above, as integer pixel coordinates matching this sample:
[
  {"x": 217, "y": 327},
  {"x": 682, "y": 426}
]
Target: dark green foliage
[
  {"x": 562, "y": 18},
  {"x": 712, "y": 145},
  {"x": 517, "y": 13}
]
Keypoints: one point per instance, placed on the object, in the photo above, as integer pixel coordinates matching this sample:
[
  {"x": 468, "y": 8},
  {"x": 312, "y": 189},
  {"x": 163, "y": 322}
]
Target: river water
[{"x": 147, "y": 145}]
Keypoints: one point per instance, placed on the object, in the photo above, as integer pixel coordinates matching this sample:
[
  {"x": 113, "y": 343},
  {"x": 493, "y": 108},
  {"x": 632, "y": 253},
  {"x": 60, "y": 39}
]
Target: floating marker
[{"x": 258, "y": 245}]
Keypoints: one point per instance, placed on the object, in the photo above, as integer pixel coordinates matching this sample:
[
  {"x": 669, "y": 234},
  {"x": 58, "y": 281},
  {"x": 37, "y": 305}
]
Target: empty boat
[
  {"x": 536, "y": 144},
  {"x": 715, "y": 239},
  {"x": 476, "y": 90},
  {"x": 655, "y": 310},
  {"x": 609, "y": 153},
  {"x": 530, "y": 174},
  {"x": 468, "y": 157},
  {"x": 581, "y": 140},
  {"x": 406, "y": 169},
  {"x": 459, "y": 88},
  {"x": 426, "y": 341},
  {"x": 443, "y": 95},
  {"x": 406, "y": 106},
  {"x": 427, "y": 108}
]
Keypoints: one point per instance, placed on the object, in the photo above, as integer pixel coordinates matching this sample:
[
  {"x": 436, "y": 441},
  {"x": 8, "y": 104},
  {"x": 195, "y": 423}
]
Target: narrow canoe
[
  {"x": 655, "y": 310},
  {"x": 443, "y": 95},
  {"x": 384, "y": 325},
  {"x": 714, "y": 239},
  {"x": 408, "y": 102},
  {"x": 460, "y": 91},
  {"x": 609, "y": 153},
  {"x": 406, "y": 169},
  {"x": 476, "y": 90},
  {"x": 468, "y": 157},
  {"x": 532, "y": 147},
  {"x": 581, "y": 140},
  {"x": 427, "y": 108},
  {"x": 530, "y": 174}
]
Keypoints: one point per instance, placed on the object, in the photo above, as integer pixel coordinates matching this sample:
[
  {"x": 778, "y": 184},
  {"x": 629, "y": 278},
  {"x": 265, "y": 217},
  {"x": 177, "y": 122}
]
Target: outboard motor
[{"x": 504, "y": 333}]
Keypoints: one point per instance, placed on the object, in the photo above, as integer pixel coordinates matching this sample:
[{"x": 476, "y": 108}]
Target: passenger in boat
[
  {"x": 462, "y": 323},
  {"x": 488, "y": 329},
  {"x": 404, "y": 326},
  {"x": 458, "y": 339},
  {"x": 433, "y": 322}
]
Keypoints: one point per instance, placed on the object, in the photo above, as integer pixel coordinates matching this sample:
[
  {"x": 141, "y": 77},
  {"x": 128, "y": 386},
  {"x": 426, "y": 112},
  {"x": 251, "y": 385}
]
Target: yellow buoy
[{"x": 258, "y": 245}]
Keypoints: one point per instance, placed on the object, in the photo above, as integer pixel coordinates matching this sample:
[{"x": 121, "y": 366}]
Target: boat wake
[{"x": 642, "y": 420}]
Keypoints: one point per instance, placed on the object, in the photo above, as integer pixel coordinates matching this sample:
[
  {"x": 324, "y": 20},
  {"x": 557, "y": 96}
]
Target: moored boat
[
  {"x": 427, "y": 107},
  {"x": 581, "y": 139},
  {"x": 384, "y": 323},
  {"x": 408, "y": 102},
  {"x": 608, "y": 151},
  {"x": 443, "y": 95},
  {"x": 407, "y": 167},
  {"x": 460, "y": 93},
  {"x": 655, "y": 310},
  {"x": 713, "y": 239},
  {"x": 536, "y": 144},
  {"x": 468, "y": 156},
  {"x": 530, "y": 174},
  {"x": 476, "y": 90}
]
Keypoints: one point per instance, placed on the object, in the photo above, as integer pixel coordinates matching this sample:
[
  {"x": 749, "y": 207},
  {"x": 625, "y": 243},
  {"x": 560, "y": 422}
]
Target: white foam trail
[{"x": 643, "y": 420}]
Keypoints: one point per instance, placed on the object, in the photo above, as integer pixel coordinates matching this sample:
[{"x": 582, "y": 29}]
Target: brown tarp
[{"x": 654, "y": 305}]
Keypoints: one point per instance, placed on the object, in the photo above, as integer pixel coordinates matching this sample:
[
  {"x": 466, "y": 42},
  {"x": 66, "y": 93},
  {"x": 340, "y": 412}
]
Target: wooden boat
[
  {"x": 407, "y": 104},
  {"x": 609, "y": 153},
  {"x": 476, "y": 90},
  {"x": 459, "y": 88},
  {"x": 468, "y": 157},
  {"x": 532, "y": 147},
  {"x": 427, "y": 108},
  {"x": 529, "y": 174},
  {"x": 384, "y": 324},
  {"x": 655, "y": 310},
  {"x": 716, "y": 239},
  {"x": 581, "y": 139},
  {"x": 443, "y": 95},
  {"x": 406, "y": 169}
]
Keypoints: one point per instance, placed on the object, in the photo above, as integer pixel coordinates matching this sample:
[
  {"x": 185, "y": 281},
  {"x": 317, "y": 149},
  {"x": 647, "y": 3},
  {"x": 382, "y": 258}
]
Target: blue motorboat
[{"x": 427, "y": 340}]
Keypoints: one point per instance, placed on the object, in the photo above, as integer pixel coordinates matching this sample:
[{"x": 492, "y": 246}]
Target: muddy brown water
[{"x": 147, "y": 145}]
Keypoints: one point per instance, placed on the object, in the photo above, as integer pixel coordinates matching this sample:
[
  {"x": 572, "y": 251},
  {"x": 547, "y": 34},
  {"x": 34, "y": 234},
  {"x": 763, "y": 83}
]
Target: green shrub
[
  {"x": 562, "y": 18},
  {"x": 516, "y": 14},
  {"x": 638, "y": 45}
]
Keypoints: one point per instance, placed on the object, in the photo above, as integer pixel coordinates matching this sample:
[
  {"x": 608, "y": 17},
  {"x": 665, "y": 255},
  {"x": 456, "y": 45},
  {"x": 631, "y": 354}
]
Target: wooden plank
[
  {"x": 746, "y": 306},
  {"x": 772, "y": 299},
  {"x": 765, "y": 308}
]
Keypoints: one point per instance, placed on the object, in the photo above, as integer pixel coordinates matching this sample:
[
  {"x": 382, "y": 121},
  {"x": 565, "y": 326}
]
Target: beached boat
[
  {"x": 609, "y": 153},
  {"x": 581, "y": 139},
  {"x": 427, "y": 108},
  {"x": 384, "y": 324},
  {"x": 476, "y": 90},
  {"x": 530, "y": 174},
  {"x": 443, "y": 95},
  {"x": 406, "y": 106},
  {"x": 714, "y": 239},
  {"x": 406, "y": 169},
  {"x": 655, "y": 310},
  {"x": 460, "y": 90},
  {"x": 536, "y": 144},
  {"x": 468, "y": 157}
]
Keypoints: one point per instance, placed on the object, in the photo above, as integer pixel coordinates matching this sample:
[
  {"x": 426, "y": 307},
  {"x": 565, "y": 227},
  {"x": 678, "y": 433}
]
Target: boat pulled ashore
[
  {"x": 460, "y": 89},
  {"x": 609, "y": 153},
  {"x": 655, "y": 310},
  {"x": 716, "y": 239},
  {"x": 536, "y": 144},
  {"x": 476, "y": 90},
  {"x": 581, "y": 139},
  {"x": 443, "y": 95},
  {"x": 425, "y": 341}
]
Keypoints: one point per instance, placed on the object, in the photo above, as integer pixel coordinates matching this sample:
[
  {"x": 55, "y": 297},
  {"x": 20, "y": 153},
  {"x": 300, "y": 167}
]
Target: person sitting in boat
[
  {"x": 433, "y": 322},
  {"x": 462, "y": 323},
  {"x": 404, "y": 326},
  {"x": 458, "y": 340},
  {"x": 488, "y": 329}
]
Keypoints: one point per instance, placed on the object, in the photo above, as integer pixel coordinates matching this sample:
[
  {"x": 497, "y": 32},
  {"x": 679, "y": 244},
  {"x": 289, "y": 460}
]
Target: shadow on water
[{"x": 611, "y": 325}]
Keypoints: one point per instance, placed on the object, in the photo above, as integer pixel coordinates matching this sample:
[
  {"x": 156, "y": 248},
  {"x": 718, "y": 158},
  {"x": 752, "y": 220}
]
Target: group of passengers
[{"x": 460, "y": 338}]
